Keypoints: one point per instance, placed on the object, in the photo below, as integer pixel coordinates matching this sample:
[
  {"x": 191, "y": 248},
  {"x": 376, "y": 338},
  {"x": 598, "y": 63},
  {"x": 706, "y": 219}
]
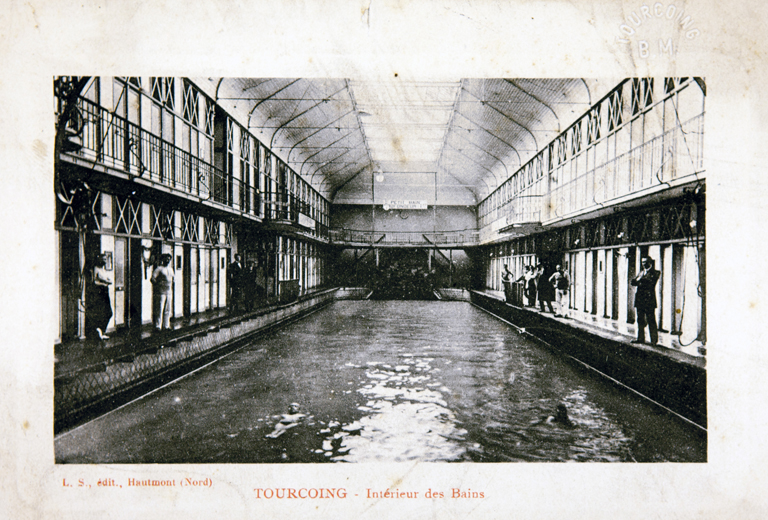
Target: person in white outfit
[
  {"x": 561, "y": 283},
  {"x": 162, "y": 282}
]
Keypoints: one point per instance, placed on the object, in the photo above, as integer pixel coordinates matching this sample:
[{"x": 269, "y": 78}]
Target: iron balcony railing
[
  {"x": 465, "y": 237},
  {"x": 676, "y": 153},
  {"x": 523, "y": 208},
  {"x": 573, "y": 174},
  {"x": 116, "y": 142},
  {"x": 113, "y": 141}
]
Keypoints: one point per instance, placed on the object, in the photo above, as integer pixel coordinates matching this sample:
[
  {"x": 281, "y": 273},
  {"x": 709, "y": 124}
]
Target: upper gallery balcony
[
  {"x": 120, "y": 148},
  {"x": 405, "y": 239},
  {"x": 644, "y": 137}
]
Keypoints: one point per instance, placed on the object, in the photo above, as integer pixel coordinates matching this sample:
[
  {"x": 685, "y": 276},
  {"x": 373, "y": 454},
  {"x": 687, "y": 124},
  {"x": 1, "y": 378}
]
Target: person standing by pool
[
  {"x": 562, "y": 283},
  {"x": 506, "y": 281},
  {"x": 645, "y": 300},
  {"x": 98, "y": 303},
  {"x": 544, "y": 291},
  {"x": 162, "y": 282},
  {"x": 236, "y": 276},
  {"x": 530, "y": 285}
]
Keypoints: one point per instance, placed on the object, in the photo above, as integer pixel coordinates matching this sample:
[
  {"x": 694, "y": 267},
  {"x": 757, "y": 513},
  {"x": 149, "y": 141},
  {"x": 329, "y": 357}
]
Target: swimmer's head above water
[{"x": 561, "y": 416}]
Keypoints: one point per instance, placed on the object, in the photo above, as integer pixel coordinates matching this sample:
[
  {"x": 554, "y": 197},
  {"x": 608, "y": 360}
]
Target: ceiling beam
[
  {"x": 477, "y": 163},
  {"x": 506, "y": 170},
  {"x": 318, "y": 131},
  {"x": 253, "y": 109},
  {"x": 294, "y": 118},
  {"x": 359, "y": 122},
  {"x": 492, "y": 134},
  {"x": 330, "y": 161},
  {"x": 326, "y": 147},
  {"x": 468, "y": 187},
  {"x": 358, "y": 172},
  {"x": 521, "y": 89},
  {"x": 536, "y": 144}
]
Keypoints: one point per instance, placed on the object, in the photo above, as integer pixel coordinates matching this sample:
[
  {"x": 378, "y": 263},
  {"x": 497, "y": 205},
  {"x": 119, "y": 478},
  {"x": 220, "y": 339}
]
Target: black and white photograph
[
  {"x": 485, "y": 270},
  {"x": 383, "y": 259}
]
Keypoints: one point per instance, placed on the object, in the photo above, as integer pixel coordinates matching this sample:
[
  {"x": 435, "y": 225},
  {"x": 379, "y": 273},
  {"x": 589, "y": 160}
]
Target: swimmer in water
[
  {"x": 288, "y": 420},
  {"x": 560, "y": 418}
]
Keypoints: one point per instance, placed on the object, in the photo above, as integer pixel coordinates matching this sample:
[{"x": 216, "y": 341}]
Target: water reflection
[
  {"x": 455, "y": 385},
  {"x": 381, "y": 381},
  {"x": 405, "y": 418}
]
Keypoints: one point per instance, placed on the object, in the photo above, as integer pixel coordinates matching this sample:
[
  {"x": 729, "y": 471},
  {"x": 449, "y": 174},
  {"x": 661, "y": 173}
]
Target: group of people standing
[
  {"x": 537, "y": 287},
  {"x": 243, "y": 284},
  {"x": 245, "y": 289},
  {"x": 556, "y": 286},
  {"x": 99, "y": 303}
]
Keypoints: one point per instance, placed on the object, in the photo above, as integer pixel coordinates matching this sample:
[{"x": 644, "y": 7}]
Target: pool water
[{"x": 387, "y": 381}]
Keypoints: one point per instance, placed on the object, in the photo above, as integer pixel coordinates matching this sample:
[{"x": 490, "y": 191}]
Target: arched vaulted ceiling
[{"x": 457, "y": 140}]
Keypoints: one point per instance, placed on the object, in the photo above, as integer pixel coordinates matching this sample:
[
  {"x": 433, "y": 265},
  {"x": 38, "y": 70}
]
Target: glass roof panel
[{"x": 405, "y": 121}]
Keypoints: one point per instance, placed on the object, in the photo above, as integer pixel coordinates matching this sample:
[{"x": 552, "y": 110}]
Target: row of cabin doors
[
  {"x": 202, "y": 271},
  {"x": 199, "y": 273},
  {"x": 196, "y": 285},
  {"x": 128, "y": 273}
]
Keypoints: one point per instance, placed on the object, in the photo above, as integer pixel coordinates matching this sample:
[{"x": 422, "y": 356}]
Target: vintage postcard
[{"x": 429, "y": 259}]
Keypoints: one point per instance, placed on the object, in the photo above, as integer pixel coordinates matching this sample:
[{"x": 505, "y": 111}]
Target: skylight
[{"x": 405, "y": 122}]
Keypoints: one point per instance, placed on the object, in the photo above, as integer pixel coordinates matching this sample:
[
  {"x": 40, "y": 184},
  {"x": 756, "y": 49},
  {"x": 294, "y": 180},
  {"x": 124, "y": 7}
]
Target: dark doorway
[
  {"x": 70, "y": 284},
  {"x": 187, "y": 270},
  {"x": 135, "y": 277}
]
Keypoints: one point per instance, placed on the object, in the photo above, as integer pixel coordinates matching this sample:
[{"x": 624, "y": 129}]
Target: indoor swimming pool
[{"x": 387, "y": 381}]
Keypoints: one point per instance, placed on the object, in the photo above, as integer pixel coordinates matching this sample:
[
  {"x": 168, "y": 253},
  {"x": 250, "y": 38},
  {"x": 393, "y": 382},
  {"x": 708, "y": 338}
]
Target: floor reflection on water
[{"x": 387, "y": 381}]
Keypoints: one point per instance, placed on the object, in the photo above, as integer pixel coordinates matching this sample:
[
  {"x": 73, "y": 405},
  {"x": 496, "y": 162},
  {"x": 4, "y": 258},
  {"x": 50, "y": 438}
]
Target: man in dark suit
[
  {"x": 506, "y": 282},
  {"x": 235, "y": 273},
  {"x": 645, "y": 300}
]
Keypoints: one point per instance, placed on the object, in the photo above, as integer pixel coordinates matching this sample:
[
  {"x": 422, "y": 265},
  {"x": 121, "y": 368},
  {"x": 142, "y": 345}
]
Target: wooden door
[
  {"x": 194, "y": 276},
  {"x": 187, "y": 281},
  {"x": 204, "y": 301},
  {"x": 121, "y": 266},
  {"x": 70, "y": 284},
  {"x": 135, "y": 273}
]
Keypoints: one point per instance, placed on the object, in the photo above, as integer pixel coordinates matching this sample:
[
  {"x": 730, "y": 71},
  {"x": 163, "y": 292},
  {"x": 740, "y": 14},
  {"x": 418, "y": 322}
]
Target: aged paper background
[{"x": 418, "y": 39}]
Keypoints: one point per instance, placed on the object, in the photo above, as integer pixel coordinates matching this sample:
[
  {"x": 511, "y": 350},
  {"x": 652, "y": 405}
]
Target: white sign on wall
[
  {"x": 306, "y": 221},
  {"x": 405, "y": 204}
]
